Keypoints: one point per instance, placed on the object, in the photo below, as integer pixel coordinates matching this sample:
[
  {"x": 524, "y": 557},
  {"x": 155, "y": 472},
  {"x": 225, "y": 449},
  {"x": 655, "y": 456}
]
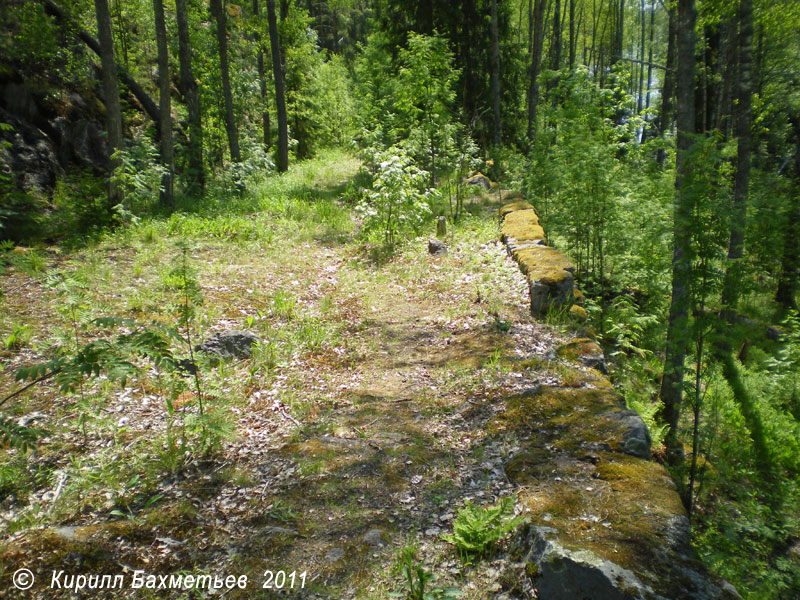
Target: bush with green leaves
[
  {"x": 399, "y": 201},
  {"x": 476, "y": 529}
]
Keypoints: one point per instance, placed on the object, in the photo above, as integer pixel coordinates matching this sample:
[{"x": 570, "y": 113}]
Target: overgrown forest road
[
  {"x": 358, "y": 427},
  {"x": 386, "y": 392}
]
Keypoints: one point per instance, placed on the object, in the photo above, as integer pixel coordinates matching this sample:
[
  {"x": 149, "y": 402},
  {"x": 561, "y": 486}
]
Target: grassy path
[{"x": 362, "y": 422}]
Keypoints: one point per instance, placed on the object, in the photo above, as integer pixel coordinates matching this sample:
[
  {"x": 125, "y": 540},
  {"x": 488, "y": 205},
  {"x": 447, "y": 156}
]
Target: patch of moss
[
  {"x": 579, "y": 347},
  {"x": 533, "y": 463},
  {"x": 517, "y": 204},
  {"x": 578, "y": 311},
  {"x": 543, "y": 263},
  {"x": 573, "y": 418},
  {"x": 522, "y": 225}
]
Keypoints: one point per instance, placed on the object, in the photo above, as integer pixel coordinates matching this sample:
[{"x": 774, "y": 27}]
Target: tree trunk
[
  {"x": 191, "y": 96},
  {"x": 166, "y": 196},
  {"x": 668, "y": 90},
  {"x": 496, "y": 78},
  {"x": 620, "y": 33},
  {"x": 743, "y": 130},
  {"x": 262, "y": 82},
  {"x": 536, "y": 60},
  {"x": 280, "y": 89},
  {"x": 790, "y": 261},
  {"x": 469, "y": 74},
  {"x": 678, "y": 327},
  {"x": 110, "y": 93},
  {"x": 222, "y": 41},
  {"x": 555, "y": 48},
  {"x": 650, "y": 57},
  {"x": 572, "y": 39},
  {"x": 640, "y": 98}
]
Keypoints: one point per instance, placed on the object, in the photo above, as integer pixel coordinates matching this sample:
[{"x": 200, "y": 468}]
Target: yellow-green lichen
[
  {"x": 543, "y": 263},
  {"x": 522, "y": 225},
  {"x": 514, "y": 206},
  {"x": 578, "y": 312},
  {"x": 579, "y": 347}
]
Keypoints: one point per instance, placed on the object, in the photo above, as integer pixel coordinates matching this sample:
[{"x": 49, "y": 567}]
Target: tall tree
[
  {"x": 620, "y": 32},
  {"x": 110, "y": 91},
  {"x": 555, "y": 44},
  {"x": 640, "y": 94},
  {"x": 572, "y": 39},
  {"x": 496, "y": 77},
  {"x": 537, "y": 24},
  {"x": 650, "y": 56},
  {"x": 670, "y": 74},
  {"x": 191, "y": 96},
  {"x": 167, "y": 156},
  {"x": 671, "y": 392},
  {"x": 262, "y": 83},
  {"x": 744, "y": 134},
  {"x": 790, "y": 258},
  {"x": 222, "y": 43},
  {"x": 280, "y": 88}
]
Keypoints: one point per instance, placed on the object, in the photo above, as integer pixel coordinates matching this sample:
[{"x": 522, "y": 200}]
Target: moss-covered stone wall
[{"x": 606, "y": 522}]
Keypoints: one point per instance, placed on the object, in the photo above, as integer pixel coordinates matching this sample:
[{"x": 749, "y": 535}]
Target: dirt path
[
  {"x": 402, "y": 442},
  {"x": 373, "y": 425}
]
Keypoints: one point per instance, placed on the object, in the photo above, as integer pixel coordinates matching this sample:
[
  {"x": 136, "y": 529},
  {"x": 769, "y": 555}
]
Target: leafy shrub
[
  {"x": 399, "y": 200},
  {"x": 81, "y": 205},
  {"x": 477, "y": 529}
]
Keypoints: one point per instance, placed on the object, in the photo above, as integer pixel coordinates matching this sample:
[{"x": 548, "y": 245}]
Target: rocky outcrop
[{"x": 44, "y": 137}]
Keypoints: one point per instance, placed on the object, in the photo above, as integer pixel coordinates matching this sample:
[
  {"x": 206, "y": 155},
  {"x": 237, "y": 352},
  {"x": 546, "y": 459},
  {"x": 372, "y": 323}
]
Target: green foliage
[
  {"x": 36, "y": 44},
  {"x": 17, "y": 436},
  {"x": 477, "y": 529},
  {"x": 20, "y": 336},
  {"x": 417, "y": 580},
  {"x": 138, "y": 175},
  {"x": 399, "y": 201},
  {"x": 624, "y": 326},
  {"x": 407, "y": 101},
  {"x": 113, "y": 358},
  {"x": 81, "y": 206}
]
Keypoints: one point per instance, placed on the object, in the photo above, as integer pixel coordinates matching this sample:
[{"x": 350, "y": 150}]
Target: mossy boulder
[
  {"x": 550, "y": 278},
  {"x": 585, "y": 351},
  {"x": 578, "y": 312},
  {"x": 480, "y": 180}
]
